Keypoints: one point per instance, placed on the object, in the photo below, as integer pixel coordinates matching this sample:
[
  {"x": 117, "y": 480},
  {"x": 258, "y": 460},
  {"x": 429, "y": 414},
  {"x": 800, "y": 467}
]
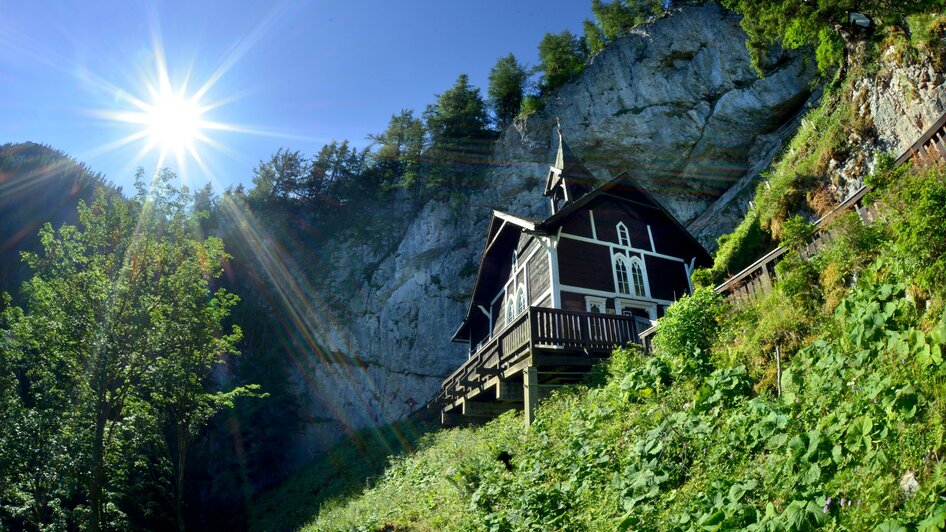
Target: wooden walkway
[{"x": 757, "y": 279}]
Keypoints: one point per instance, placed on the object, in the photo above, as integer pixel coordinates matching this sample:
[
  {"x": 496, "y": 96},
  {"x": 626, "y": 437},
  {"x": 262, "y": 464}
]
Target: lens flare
[{"x": 173, "y": 122}]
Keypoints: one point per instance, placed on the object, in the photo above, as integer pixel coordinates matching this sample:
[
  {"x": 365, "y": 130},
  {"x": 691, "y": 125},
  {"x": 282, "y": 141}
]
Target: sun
[{"x": 173, "y": 122}]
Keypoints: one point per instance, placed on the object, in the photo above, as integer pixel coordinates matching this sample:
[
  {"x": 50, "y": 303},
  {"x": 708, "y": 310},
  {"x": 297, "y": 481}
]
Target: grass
[{"x": 344, "y": 471}]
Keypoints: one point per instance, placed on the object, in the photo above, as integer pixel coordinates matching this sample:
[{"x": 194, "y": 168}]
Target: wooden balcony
[{"x": 558, "y": 346}]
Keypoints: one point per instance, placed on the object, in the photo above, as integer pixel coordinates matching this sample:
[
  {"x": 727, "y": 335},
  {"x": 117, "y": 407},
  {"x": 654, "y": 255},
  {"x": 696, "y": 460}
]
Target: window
[
  {"x": 620, "y": 269},
  {"x": 520, "y": 300},
  {"x": 624, "y": 238},
  {"x": 637, "y": 274},
  {"x": 629, "y": 276},
  {"x": 595, "y": 304}
]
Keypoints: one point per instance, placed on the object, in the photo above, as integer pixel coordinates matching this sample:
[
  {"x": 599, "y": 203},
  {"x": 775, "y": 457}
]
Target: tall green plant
[{"x": 119, "y": 330}]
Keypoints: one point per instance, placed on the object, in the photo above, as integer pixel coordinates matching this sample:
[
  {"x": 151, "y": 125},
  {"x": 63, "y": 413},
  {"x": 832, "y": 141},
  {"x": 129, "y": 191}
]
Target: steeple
[{"x": 567, "y": 179}]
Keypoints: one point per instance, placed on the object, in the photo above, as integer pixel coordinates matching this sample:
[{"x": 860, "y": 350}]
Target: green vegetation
[
  {"x": 105, "y": 374},
  {"x": 342, "y": 472},
  {"x": 830, "y": 136},
  {"x": 822, "y": 24},
  {"x": 796, "y": 416},
  {"x": 561, "y": 58},
  {"x": 507, "y": 80}
]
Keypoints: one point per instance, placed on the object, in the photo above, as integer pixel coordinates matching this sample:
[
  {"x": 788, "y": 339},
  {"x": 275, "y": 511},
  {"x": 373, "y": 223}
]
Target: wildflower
[{"x": 827, "y": 505}]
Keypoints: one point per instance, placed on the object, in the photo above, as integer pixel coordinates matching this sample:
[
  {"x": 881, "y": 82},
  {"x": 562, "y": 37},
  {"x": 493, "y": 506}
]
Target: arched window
[
  {"x": 520, "y": 300},
  {"x": 629, "y": 276},
  {"x": 509, "y": 308},
  {"x": 624, "y": 238},
  {"x": 620, "y": 270},
  {"x": 637, "y": 276}
]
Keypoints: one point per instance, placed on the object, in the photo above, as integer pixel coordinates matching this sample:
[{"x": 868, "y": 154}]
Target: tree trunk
[
  {"x": 98, "y": 464},
  {"x": 181, "y": 456}
]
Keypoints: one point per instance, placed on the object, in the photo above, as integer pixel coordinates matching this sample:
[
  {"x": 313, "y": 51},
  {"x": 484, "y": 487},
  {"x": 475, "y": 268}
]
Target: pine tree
[{"x": 507, "y": 81}]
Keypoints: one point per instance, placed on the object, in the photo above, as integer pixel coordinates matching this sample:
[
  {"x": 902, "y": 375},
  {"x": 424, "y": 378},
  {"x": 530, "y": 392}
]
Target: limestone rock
[{"x": 675, "y": 103}]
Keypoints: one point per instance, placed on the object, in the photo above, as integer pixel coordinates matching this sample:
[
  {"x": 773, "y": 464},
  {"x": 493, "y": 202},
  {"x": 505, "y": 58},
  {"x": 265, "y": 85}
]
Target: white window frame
[
  {"x": 621, "y": 304},
  {"x": 624, "y": 236},
  {"x": 593, "y": 300},
  {"x": 629, "y": 263},
  {"x": 521, "y": 302}
]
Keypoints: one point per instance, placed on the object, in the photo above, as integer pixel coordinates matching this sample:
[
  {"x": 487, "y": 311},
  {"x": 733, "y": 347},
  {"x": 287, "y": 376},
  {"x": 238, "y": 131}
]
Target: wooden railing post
[
  {"x": 584, "y": 335},
  {"x": 533, "y": 326}
]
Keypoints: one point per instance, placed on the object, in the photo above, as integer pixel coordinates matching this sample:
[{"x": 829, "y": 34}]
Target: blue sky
[{"x": 291, "y": 74}]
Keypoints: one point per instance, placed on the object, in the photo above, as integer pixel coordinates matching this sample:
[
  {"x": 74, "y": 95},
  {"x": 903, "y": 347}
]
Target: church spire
[{"x": 568, "y": 179}]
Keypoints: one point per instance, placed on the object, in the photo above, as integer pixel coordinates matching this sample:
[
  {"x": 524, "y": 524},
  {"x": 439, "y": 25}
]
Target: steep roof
[
  {"x": 505, "y": 228},
  {"x": 568, "y": 172}
]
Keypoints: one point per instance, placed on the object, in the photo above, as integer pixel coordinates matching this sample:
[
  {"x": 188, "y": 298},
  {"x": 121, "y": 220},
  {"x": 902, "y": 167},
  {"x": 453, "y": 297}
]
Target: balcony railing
[{"x": 542, "y": 328}]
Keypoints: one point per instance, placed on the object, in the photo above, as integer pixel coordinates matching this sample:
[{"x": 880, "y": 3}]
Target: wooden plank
[{"x": 530, "y": 393}]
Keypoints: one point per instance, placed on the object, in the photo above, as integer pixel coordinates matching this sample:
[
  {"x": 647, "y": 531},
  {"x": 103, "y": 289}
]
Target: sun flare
[{"x": 173, "y": 122}]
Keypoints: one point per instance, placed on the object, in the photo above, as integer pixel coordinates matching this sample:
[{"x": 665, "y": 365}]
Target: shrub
[{"x": 687, "y": 331}]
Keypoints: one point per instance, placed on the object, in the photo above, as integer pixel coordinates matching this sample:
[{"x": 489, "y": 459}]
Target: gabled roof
[
  {"x": 505, "y": 228},
  {"x": 621, "y": 184}
]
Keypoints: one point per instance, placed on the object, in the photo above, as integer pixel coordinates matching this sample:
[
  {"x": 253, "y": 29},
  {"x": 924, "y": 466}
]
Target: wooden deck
[{"x": 541, "y": 349}]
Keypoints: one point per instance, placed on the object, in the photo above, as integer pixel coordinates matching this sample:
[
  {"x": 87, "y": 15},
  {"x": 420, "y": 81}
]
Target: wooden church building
[{"x": 554, "y": 296}]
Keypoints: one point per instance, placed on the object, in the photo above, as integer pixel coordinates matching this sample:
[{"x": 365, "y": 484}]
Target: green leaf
[
  {"x": 890, "y": 525},
  {"x": 936, "y": 522},
  {"x": 812, "y": 475}
]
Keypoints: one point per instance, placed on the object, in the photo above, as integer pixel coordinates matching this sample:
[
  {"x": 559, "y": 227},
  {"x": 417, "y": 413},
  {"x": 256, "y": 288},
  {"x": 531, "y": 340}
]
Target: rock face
[{"x": 676, "y": 104}]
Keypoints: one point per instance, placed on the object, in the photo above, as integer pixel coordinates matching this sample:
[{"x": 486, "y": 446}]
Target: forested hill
[{"x": 38, "y": 184}]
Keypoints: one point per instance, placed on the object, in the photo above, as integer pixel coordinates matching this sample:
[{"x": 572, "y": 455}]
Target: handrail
[
  {"x": 546, "y": 328},
  {"x": 936, "y": 133}
]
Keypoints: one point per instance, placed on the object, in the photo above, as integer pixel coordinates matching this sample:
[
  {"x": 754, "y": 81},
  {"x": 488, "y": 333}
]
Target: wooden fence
[{"x": 757, "y": 279}]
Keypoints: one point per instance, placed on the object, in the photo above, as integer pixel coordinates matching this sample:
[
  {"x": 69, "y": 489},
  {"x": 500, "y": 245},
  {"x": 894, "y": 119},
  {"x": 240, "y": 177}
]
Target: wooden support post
[{"x": 530, "y": 392}]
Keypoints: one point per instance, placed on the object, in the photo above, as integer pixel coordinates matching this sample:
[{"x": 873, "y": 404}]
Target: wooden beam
[
  {"x": 509, "y": 390},
  {"x": 451, "y": 419},
  {"x": 555, "y": 360}
]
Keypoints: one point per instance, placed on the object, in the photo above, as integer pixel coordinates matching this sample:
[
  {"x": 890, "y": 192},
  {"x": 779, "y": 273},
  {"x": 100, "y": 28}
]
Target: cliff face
[{"x": 676, "y": 104}]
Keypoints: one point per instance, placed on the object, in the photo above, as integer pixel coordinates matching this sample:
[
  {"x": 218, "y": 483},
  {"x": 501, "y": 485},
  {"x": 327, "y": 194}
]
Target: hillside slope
[
  {"x": 808, "y": 410},
  {"x": 38, "y": 184}
]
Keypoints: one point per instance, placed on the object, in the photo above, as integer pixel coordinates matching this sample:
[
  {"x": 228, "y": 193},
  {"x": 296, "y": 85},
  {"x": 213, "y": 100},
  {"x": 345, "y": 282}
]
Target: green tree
[
  {"x": 594, "y": 38},
  {"x": 119, "y": 323},
  {"x": 507, "y": 81},
  {"x": 399, "y": 150},
  {"x": 459, "y": 113},
  {"x": 561, "y": 58},
  {"x": 336, "y": 173},
  {"x": 822, "y": 24},
  {"x": 459, "y": 132},
  {"x": 284, "y": 177}
]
